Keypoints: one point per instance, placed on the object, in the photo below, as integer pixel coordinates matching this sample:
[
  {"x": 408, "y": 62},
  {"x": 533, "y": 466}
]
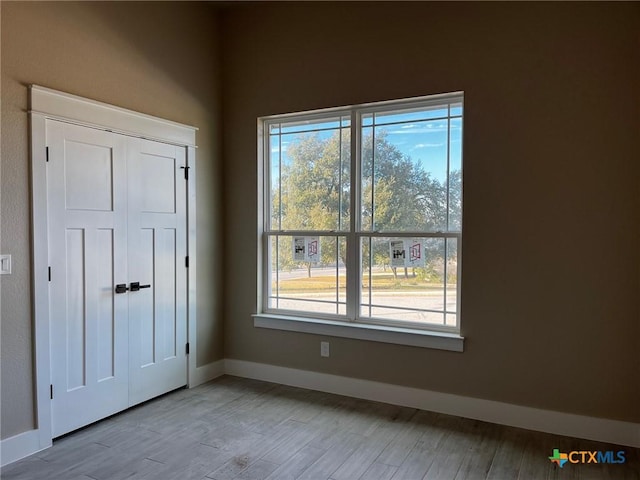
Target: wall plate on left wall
[{"x": 5, "y": 264}]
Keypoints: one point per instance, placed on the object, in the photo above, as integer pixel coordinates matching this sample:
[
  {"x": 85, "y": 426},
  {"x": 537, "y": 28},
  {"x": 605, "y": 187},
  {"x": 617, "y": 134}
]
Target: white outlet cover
[
  {"x": 324, "y": 349},
  {"x": 5, "y": 264}
]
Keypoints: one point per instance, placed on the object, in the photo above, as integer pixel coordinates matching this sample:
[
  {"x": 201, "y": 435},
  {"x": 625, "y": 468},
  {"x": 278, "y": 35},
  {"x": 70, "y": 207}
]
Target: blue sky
[
  {"x": 426, "y": 143},
  {"x": 415, "y": 134}
]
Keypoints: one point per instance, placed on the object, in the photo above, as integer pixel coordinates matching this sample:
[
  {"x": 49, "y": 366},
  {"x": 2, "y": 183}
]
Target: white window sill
[{"x": 359, "y": 331}]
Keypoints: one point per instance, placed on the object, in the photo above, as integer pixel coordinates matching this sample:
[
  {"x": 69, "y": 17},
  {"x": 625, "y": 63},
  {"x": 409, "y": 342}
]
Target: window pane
[
  {"x": 420, "y": 318},
  {"x": 403, "y": 293},
  {"x": 404, "y": 177},
  {"x": 455, "y": 175},
  {"x": 452, "y": 277},
  {"x": 274, "y": 256},
  {"x": 341, "y": 272},
  {"x": 274, "y": 174},
  {"x": 366, "y": 180},
  {"x": 456, "y": 109},
  {"x": 311, "y": 125},
  {"x": 344, "y": 181},
  {"x": 411, "y": 114},
  {"x": 274, "y": 128},
  {"x": 308, "y": 286},
  {"x": 312, "y": 169}
]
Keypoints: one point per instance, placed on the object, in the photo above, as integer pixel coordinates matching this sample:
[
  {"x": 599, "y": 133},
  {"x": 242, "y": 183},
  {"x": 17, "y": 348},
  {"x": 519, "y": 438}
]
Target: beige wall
[
  {"x": 551, "y": 215},
  {"x": 551, "y": 264},
  {"x": 157, "y": 58}
]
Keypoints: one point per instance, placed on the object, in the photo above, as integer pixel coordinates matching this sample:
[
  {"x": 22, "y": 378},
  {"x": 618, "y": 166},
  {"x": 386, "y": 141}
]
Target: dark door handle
[
  {"x": 135, "y": 286},
  {"x": 121, "y": 288}
]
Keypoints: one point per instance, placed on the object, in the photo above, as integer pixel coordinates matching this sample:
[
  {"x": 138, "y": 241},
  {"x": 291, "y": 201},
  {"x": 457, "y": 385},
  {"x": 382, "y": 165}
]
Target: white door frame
[{"x": 47, "y": 104}]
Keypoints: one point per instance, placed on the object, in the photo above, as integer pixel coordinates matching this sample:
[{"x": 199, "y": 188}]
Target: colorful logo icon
[
  {"x": 559, "y": 458},
  {"x": 584, "y": 456}
]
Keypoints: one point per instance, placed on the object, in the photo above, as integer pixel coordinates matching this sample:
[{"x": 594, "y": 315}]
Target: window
[{"x": 362, "y": 214}]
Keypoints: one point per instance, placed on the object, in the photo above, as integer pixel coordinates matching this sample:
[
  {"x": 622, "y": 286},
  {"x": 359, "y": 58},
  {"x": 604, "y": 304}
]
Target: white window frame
[{"x": 350, "y": 325}]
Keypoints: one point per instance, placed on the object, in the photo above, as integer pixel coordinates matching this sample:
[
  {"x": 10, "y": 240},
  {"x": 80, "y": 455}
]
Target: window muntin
[{"x": 406, "y": 158}]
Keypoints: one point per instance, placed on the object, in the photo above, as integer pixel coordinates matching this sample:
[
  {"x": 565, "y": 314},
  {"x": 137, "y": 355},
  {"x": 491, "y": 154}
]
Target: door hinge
[
  {"x": 186, "y": 261},
  {"x": 186, "y": 172},
  {"x": 51, "y": 391},
  {"x": 49, "y": 273},
  {"x": 187, "y": 348},
  {"x": 47, "y": 153}
]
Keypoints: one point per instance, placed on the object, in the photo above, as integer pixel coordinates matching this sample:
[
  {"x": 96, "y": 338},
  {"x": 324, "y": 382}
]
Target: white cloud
[
  {"x": 276, "y": 148},
  {"x": 428, "y": 145},
  {"x": 413, "y": 129}
]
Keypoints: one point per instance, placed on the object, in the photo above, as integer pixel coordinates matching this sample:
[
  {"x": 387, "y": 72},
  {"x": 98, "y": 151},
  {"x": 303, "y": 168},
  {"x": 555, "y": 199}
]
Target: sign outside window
[
  {"x": 408, "y": 252},
  {"x": 306, "y": 249}
]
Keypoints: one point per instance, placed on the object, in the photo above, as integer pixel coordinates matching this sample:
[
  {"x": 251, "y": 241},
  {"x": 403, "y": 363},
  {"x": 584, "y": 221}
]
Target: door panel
[
  {"x": 75, "y": 321},
  {"x": 158, "y": 188},
  {"x": 157, "y": 249},
  {"x": 104, "y": 302},
  {"x": 142, "y": 305},
  {"x": 88, "y": 176},
  {"x": 167, "y": 299},
  {"x": 87, "y": 252}
]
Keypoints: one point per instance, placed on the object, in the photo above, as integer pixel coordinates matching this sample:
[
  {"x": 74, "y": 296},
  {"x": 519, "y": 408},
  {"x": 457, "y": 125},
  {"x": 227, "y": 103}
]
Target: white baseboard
[
  {"x": 19, "y": 446},
  {"x": 206, "y": 373},
  {"x": 579, "y": 426}
]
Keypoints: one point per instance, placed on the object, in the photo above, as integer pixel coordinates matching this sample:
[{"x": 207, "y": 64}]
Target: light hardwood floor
[{"x": 235, "y": 428}]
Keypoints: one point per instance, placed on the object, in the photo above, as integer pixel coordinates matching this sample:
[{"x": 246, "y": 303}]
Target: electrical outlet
[{"x": 324, "y": 349}]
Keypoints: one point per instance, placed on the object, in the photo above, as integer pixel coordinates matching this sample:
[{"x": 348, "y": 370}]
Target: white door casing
[{"x": 100, "y": 234}]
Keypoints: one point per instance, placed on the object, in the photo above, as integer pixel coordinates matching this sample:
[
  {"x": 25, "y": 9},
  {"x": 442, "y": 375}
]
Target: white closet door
[
  {"x": 117, "y": 218},
  {"x": 87, "y": 203},
  {"x": 157, "y": 249}
]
